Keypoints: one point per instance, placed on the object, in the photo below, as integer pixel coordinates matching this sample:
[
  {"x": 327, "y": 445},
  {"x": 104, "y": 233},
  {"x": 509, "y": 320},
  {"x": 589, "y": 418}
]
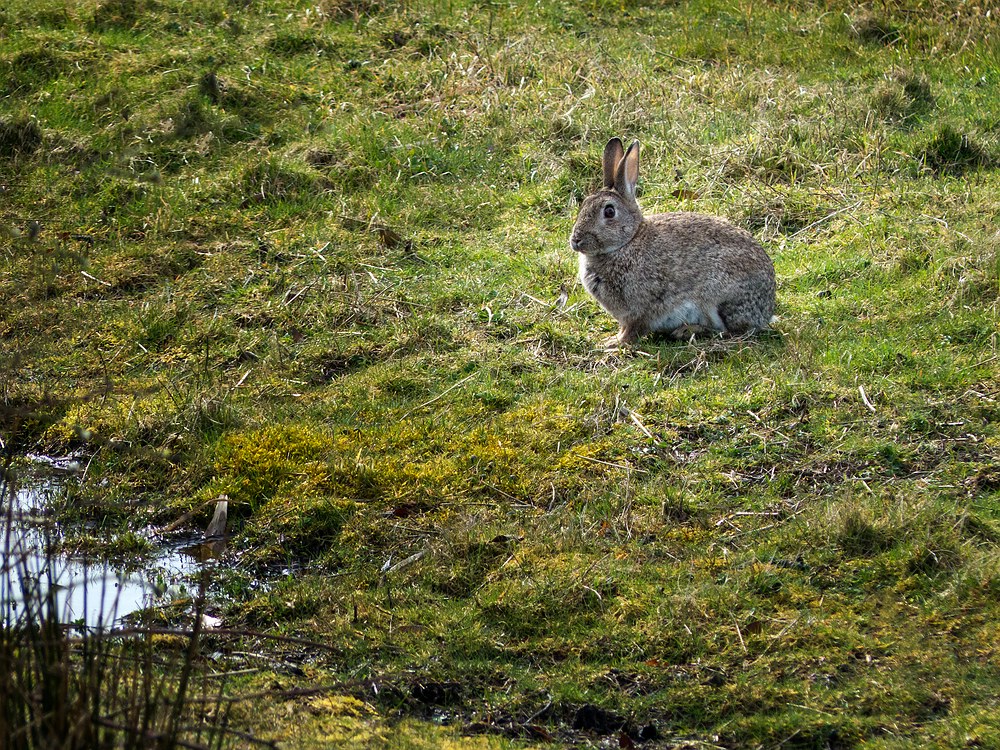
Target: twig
[
  {"x": 289, "y": 300},
  {"x": 811, "y": 708},
  {"x": 638, "y": 423},
  {"x": 525, "y": 295},
  {"x": 764, "y": 513},
  {"x": 864, "y": 397},
  {"x": 94, "y": 278},
  {"x": 164, "y": 738},
  {"x": 239, "y": 633},
  {"x": 823, "y": 220},
  {"x": 155, "y": 738},
  {"x": 441, "y": 395},
  {"x": 177, "y": 523},
  {"x": 986, "y": 361},
  {"x": 539, "y": 712},
  {"x": 407, "y": 561}
]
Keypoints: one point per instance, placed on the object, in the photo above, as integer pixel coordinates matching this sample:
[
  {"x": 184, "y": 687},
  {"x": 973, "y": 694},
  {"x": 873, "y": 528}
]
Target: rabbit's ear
[
  {"x": 612, "y": 155},
  {"x": 627, "y": 173}
]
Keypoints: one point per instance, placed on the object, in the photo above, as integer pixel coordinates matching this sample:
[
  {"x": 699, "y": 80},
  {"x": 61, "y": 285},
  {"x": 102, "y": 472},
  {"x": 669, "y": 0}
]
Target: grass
[{"x": 312, "y": 256}]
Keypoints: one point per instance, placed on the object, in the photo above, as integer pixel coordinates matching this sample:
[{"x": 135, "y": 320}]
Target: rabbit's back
[{"x": 695, "y": 240}]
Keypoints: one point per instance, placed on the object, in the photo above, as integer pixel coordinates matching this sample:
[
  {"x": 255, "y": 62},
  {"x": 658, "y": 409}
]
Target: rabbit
[{"x": 679, "y": 273}]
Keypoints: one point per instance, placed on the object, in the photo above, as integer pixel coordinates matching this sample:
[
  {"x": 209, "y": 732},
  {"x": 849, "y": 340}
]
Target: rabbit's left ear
[
  {"x": 612, "y": 155},
  {"x": 627, "y": 174}
]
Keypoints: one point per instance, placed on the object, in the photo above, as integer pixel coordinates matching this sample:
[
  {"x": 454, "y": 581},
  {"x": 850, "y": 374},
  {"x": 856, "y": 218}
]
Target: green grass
[{"x": 309, "y": 256}]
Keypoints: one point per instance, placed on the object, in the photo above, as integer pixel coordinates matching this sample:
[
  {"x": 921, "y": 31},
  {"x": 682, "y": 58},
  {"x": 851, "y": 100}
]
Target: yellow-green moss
[
  {"x": 252, "y": 465},
  {"x": 341, "y": 721},
  {"x": 112, "y": 418}
]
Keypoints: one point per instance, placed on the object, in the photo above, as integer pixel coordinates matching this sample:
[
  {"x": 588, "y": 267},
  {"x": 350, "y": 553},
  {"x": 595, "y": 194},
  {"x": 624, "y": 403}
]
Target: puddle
[{"x": 95, "y": 593}]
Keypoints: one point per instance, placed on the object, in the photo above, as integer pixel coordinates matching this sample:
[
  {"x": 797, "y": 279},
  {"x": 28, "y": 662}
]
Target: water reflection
[{"x": 97, "y": 594}]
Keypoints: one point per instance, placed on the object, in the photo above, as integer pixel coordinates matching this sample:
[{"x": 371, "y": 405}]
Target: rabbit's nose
[{"x": 574, "y": 243}]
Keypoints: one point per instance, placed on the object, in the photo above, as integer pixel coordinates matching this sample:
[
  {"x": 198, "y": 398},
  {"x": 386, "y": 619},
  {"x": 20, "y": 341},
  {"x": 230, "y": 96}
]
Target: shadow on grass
[{"x": 683, "y": 359}]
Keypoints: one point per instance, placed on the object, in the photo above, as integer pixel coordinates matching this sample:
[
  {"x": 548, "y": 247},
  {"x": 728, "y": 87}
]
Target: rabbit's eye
[{"x": 609, "y": 211}]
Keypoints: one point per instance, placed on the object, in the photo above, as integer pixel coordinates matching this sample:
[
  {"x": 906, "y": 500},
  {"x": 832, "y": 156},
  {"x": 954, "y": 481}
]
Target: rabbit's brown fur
[{"x": 673, "y": 272}]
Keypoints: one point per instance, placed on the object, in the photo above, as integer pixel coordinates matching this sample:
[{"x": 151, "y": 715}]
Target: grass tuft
[
  {"x": 354, "y": 9},
  {"x": 19, "y": 136},
  {"x": 947, "y": 149},
  {"x": 124, "y": 14},
  {"x": 902, "y": 95},
  {"x": 275, "y": 180},
  {"x": 873, "y": 28},
  {"x": 859, "y": 535}
]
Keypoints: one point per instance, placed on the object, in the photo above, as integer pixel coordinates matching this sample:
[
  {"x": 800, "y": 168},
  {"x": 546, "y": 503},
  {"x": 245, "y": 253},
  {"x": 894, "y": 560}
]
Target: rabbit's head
[{"x": 609, "y": 218}]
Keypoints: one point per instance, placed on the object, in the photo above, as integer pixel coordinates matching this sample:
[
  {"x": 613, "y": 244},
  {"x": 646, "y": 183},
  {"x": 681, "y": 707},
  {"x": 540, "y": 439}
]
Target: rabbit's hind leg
[{"x": 747, "y": 313}]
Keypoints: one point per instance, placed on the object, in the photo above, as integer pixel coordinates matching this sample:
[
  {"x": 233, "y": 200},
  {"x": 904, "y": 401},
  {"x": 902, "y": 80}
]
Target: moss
[
  {"x": 301, "y": 485},
  {"x": 251, "y": 466},
  {"x": 346, "y": 722}
]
